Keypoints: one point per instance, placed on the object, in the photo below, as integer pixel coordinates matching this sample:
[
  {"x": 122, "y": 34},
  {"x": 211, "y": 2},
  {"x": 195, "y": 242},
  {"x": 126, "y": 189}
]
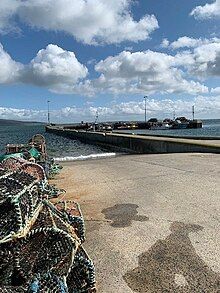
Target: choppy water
[
  {"x": 58, "y": 147},
  {"x": 211, "y": 128}
]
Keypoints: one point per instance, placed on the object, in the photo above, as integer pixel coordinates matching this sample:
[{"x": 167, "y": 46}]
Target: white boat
[
  {"x": 178, "y": 124},
  {"x": 164, "y": 126}
]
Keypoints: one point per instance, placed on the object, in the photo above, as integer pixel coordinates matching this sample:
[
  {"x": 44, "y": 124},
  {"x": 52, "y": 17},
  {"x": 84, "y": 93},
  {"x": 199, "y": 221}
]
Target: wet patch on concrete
[
  {"x": 172, "y": 265},
  {"x": 122, "y": 215}
]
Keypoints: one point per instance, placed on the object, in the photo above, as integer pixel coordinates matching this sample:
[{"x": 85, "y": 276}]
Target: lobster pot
[
  {"x": 42, "y": 283},
  {"x": 82, "y": 274},
  {"x": 9, "y": 289},
  {"x": 67, "y": 216},
  {"x": 20, "y": 198},
  {"x": 49, "y": 216},
  {"x": 3, "y": 172},
  {"x": 13, "y": 164},
  {"x": 38, "y": 141},
  {"x": 6, "y": 264},
  {"x": 48, "y": 283},
  {"x": 16, "y": 164},
  {"x": 71, "y": 212},
  {"x": 49, "y": 258},
  {"x": 35, "y": 170},
  {"x": 54, "y": 169},
  {"x": 46, "y": 250},
  {"x": 50, "y": 246}
]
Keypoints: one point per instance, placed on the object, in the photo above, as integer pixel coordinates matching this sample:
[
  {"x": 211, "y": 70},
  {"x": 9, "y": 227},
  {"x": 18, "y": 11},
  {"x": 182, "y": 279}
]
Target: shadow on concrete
[
  {"x": 122, "y": 215},
  {"x": 172, "y": 265}
]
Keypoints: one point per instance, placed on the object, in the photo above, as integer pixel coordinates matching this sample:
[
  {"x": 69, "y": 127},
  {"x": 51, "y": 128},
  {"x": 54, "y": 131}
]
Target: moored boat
[{"x": 180, "y": 123}]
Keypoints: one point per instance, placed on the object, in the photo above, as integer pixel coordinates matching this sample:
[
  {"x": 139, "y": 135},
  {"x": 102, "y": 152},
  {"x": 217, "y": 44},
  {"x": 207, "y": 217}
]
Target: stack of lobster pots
[{"x": 40, "y": 242}]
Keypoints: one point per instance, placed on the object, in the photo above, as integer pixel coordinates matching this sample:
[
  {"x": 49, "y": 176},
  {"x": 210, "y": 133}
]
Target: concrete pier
[
  {"x": 152, "y": 220},
  {"x": 138, "y": 143}
]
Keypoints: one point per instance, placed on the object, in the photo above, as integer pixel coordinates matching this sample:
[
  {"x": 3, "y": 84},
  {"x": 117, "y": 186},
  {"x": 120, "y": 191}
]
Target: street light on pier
[
  {"x": 48, "y": 112},
  {"x": 145, "y": 109},
  {"x": 193, "y": 112}
]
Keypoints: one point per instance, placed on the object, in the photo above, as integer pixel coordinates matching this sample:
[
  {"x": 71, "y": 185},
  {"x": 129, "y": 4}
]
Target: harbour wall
[
  {"x": 174, "y": 136},
  {"x": 136, "y": 143}
]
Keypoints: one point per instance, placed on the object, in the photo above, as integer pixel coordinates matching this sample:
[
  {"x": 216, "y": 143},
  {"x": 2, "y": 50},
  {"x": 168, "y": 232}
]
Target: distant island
[{"x": 7, "y": 122}]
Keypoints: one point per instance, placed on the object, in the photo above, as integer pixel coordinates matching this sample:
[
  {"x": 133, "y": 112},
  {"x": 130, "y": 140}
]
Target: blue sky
[{"x": 107, "y": 57}]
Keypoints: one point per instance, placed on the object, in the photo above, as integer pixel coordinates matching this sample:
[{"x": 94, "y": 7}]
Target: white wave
[{"x": 82, "y": 158}]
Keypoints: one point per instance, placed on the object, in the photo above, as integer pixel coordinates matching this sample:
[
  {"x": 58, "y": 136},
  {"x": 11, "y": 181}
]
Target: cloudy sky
[{"x": 89, "y": 55}]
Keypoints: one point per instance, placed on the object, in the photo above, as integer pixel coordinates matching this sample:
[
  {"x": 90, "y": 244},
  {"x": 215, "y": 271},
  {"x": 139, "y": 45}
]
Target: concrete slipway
[{"x": 152, "y": 221}]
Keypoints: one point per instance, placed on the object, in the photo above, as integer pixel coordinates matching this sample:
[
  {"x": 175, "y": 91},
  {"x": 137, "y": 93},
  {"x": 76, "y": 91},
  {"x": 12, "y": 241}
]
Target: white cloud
[
  {"x": 143, "y": 72},
  {"x": 9, "y": 69},
  {"x": 187, "y": 42},
  {"x": 8, "y": 9},
  {"x": 89, "y": 21},
  {"x": 207, "y": 11},
  {"x": 215, "y": 91},
  {"x": 206, "y": 60},
  {"x": 165, "y": 43},
  {"x": 53, "y": 68},
  {"x": 202, "y": 59},
  {"x": 206, "y": 107},
  {"x": 22, "y": 114}
]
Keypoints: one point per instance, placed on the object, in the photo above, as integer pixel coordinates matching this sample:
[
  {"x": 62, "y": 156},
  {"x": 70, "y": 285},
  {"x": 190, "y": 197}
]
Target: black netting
[
  {"x": 35, "y": 170},
  {"x": 12, "y": 164},
  {"x": 17, "y": 203},
  {"x": 82, "y": 274},
  {"x": 36, "y": 195},
  {"x": 47, "y": 283},
  {"x": 70, "y": 212},
  {"x": 3, "y": 172},
  {"x": 22, "y": 178},
  {"x": 25, "y": 206},
  {"x": 13, "y": 289},
  {"x": 8, "y": 219},
  {"x": 40, "y": 244},
  {"x": 45, "y": 249},
  {"x": 6, "y": 264},
  {"x": 44, "y": 219},
  {"x": 8, "y": 186}
]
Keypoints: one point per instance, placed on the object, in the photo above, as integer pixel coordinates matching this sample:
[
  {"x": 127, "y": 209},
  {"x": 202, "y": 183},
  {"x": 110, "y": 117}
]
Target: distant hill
[{"x": 7, "y": 122}]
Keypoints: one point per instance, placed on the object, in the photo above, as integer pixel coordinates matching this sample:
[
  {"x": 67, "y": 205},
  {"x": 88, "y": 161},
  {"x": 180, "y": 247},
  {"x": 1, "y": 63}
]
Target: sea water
[{"x": 60, "y": 148}]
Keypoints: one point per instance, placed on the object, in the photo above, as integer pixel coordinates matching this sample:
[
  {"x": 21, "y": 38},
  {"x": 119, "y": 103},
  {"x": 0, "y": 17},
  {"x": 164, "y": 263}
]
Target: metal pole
[
  {"x": 145, "y": 110},
  {"x": 193, "y": 112},
  {"x": 48, "y": 112}
]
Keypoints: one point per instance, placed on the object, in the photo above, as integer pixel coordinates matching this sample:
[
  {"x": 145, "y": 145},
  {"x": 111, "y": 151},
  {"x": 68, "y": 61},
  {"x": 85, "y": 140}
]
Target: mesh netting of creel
[
  {"x": 40, "y": 243},
  {"x": 13, "y": 289},
  {"x": 20, "y": 196},
  {"x": 46, "y": 250},
  {"x": 13, "y": 164}
]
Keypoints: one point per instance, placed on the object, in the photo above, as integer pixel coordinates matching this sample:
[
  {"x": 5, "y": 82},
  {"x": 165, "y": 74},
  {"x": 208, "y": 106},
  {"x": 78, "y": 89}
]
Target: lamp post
[
  {"x": 174, "y": 114},
  {"x": 48, "y": 112},
  {"x": 193, "y": 112},
  {"x": 145, "y": 109}
]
